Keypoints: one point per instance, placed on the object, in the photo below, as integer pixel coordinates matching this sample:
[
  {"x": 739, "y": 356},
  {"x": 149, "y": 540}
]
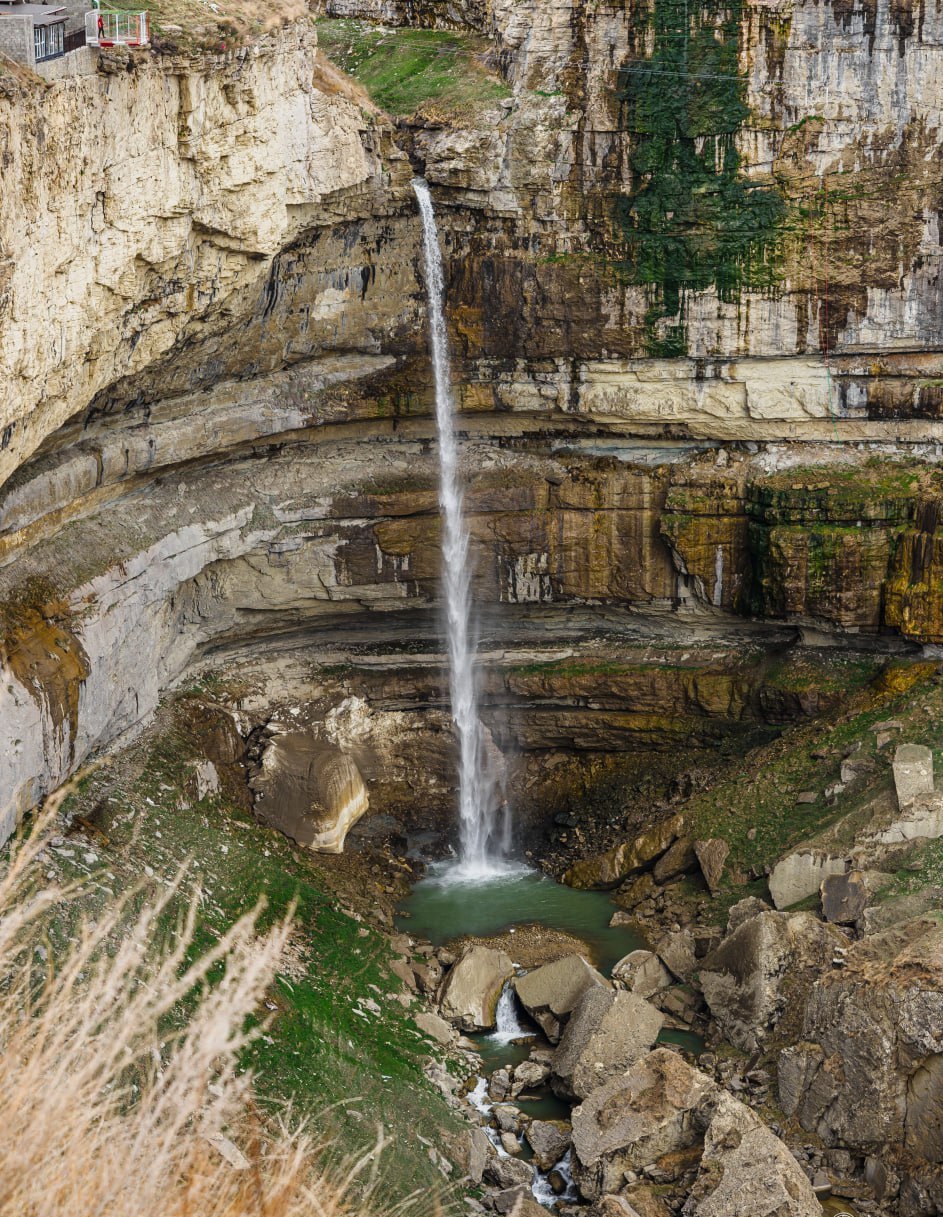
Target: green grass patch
[
  {"x": 404, "y": 70},
  {"x": 756, "y": 809},
  {"x": 337, "y": 1049}
]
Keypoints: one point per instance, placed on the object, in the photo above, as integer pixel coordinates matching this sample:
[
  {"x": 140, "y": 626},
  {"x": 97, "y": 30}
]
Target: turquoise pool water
[{"x": 441, "y": 908}]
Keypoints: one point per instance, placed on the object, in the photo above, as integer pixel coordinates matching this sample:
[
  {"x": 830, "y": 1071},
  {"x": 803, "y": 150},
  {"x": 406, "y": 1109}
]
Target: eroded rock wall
[{"x": 145, "y": 209}]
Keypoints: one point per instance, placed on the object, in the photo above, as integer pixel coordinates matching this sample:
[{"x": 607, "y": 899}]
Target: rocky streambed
[{"x": 591, "y": 1095}]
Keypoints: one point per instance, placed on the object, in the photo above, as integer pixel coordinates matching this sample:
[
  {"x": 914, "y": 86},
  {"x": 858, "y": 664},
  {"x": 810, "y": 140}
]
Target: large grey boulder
[
  {"x": 913, "y": 773},
  {"x": 635, "y": 1119},
  {"x": 767, "y": 964},
  {"x": 711, "y": 856},
  {"x": 549, "y": 994},
  {"x": 642, "y": 973},
  {"x": 309, "y": 790},
  {"x": 663, "y": 1107},
  {"x": 509, "y": 1172},
  {"x": 800, "y": 874},
  {"x": 745, "y": 1170},
  {"x": 549, "y": 1139},
  {"x": 470, "y": 990},
  {"x": 845, "y": 897},
  {"x": 607, "y": 1033}
]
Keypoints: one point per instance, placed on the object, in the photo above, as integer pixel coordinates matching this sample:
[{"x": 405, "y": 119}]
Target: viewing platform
[{"x": 117, "y": 27}]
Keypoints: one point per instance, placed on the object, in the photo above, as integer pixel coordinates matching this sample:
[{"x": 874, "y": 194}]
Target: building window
[{"x": 48, "y": 41}]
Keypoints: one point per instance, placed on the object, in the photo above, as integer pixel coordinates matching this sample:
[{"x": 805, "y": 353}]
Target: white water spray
[
  {"x": 507, "y": 1021},
  {"x": 483, "y": 837}
]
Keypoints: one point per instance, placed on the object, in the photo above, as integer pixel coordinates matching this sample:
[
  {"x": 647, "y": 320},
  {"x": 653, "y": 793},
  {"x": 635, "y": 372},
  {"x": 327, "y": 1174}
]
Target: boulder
[
  {"x": 509, "y": 1172},
  {"x": 548, "y": 994},
  {"x": 745, "y": 1170},
  {"x": 435, "y": 1027},
  {"x": 549, "y": 1139},
  {"x": 509, "y": 1143},
  {"x": 663, "y": 1107},
  {"x": 921, "y": 819},
  {"x": 636, "y": 1119},
  {"x": 470, "y": 990},
  {"x": 711, "y": 856},
  {"x": 607, "y": 1033},
  {"x": 845, "y": 897},
  {"x": 766, "y": 965},
  {"x": 637, "y": 1201},
  {"x": 475, "y": 1149},
  {"x": 913, "y": 773},
  {"x": 677, "y": 952},
  {"x": 309, "y": 790},
  {"x": 866, "y": 1068},
  {"x": 800, "y": 875},
  {"x": 743, "y": 910},
  {"x": 643, "y": 973},
  {"x": 677, "y": 860},
  {"x": 614, "y": 866},
  {"x": 528, "y": 1075}
]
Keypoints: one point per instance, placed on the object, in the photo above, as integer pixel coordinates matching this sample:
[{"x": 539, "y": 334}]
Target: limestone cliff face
[
  {"x": 216, "y": 432},
  {"x": 757, "y": 190},
  {"x": 142, "y": 210}
]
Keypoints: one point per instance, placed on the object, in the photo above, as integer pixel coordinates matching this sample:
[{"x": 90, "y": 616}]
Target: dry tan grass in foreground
[{"x": 105, "y": 1112}]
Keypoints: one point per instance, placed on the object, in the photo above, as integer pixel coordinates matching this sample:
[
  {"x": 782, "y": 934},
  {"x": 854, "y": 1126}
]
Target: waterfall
[{"x": 483, "y": 838}]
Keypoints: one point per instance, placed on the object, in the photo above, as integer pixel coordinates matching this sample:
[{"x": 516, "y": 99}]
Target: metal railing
[{"x": 112, "y": 27}]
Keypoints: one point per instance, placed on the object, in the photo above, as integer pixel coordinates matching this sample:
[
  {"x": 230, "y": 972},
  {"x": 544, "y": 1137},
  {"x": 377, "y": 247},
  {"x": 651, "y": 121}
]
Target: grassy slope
[
  {"x": 338, "y": 1065},
  {"x": 405, "y": 70},
  {"x": 756, "y": 810}
]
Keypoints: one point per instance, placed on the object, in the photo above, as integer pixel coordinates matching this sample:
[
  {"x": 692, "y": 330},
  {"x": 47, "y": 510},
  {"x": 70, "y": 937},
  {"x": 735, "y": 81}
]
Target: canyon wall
[{"x": 683, "y": 406}]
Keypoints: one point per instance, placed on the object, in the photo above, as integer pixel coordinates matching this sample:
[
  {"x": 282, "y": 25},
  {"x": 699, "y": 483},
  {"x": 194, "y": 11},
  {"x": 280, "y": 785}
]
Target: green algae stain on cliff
[{"x": 693, "y": 220}]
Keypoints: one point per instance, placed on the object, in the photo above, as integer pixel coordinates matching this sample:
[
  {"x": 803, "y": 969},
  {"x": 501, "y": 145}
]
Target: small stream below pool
[{"x": 442, "y": 908}]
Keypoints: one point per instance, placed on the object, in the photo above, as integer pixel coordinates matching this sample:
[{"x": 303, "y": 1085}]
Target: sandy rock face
[{"x": 229, "y": 162}]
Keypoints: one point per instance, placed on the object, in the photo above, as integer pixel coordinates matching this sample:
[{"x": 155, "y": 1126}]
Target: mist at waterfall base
[{"x": 484, "y": 823}]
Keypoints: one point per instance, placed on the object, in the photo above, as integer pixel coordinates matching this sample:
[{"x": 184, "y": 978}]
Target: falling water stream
[{"x": 484, "y": 830}]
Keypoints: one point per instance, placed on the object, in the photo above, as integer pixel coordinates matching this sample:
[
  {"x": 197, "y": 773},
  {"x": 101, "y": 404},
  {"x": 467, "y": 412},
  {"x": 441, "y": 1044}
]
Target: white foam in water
[
  {"x": 544, "y": 1194},
  {"x": 485, "y": 830}
]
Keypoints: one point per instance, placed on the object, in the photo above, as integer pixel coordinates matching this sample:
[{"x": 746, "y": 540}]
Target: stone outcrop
[
  {"x": 624, "y": 860},
  {"x": 864, "y": 1074},
  {"x": 152, "y": 212},
  {"x": 763, "y": 971},
  {"x": 663, "y": 1113}
]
